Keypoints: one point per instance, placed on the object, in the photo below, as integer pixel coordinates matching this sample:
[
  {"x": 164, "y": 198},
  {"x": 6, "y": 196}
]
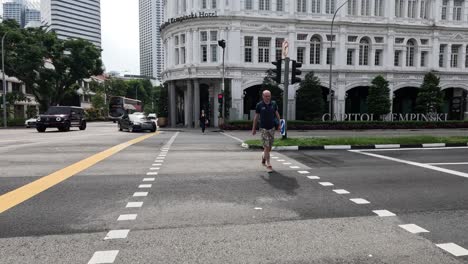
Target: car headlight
[
  {"x": 58, "y": 119},
  {"x": 38, "y": 119},
  {"x": 137, "y": 123}
]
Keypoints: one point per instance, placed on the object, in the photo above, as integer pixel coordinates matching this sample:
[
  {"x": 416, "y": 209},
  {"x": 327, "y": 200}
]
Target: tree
[
  {"x": 115, "y": 87},
  {"x": 309, "y": 102},
  {"x": 430, "y": 97},
  {"x": 163, "y": 102},
  {"x": 378, "y": 100},
  {"x": 12, "y": 98},
  {"x": 276, "y": 92},
  {"x": 47, "y": 65}
]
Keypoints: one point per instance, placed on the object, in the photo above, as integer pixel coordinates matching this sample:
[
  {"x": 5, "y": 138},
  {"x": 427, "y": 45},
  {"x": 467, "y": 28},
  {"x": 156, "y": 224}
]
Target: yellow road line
[{"x": 28, "y": 191}]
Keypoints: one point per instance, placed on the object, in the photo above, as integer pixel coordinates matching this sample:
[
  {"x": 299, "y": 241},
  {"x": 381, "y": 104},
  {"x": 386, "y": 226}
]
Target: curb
[{"x": 348, "y": 147}]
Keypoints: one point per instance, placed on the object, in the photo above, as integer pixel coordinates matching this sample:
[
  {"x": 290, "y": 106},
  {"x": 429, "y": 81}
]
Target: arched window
[
  {"x": 364, "y": 52},
  {"x": 410, "y": 48},
  {"x": 315, "y": 50}
]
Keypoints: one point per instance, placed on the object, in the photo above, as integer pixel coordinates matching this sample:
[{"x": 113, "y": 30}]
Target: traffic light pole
[{"x": 285, "y": 96}]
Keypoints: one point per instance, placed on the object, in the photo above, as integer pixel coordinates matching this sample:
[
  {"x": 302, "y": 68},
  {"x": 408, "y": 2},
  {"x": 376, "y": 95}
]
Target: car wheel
[
  {"x": 153, "y": 129},
  {"x": 83, "y": 125},
  {"x": 40, "y": 129}
]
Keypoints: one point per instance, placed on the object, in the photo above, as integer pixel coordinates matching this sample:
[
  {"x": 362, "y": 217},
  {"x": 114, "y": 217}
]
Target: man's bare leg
[{"x": 266, "y": 155}]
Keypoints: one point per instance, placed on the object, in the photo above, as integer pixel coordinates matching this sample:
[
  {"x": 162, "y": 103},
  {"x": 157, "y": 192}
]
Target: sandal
[
  {"x": 269, "y": 168},
  {"x": 263, "y": 161}
]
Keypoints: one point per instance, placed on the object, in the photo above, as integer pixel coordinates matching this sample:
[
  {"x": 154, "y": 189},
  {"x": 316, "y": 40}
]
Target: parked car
[
  {"x": 138, "y": 122},
  {"x": 61, "y": 117},
  {"x": 31, "y": 122}
]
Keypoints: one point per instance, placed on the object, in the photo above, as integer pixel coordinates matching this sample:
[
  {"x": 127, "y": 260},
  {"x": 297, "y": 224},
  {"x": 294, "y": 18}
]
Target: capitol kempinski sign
[
  {"x": 189, "y": 17},
  {"x": 394, "y": 117}
]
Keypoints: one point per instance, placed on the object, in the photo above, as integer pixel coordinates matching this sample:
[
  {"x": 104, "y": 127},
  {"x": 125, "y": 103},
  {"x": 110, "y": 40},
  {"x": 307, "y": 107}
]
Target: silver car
[{"x": 137, "y": 122}]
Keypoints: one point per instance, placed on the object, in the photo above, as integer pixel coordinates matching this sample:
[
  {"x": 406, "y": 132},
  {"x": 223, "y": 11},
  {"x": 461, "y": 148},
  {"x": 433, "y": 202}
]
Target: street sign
[
  {"x": 285, "y": 49},
  {"x": 283, "y": 127}
]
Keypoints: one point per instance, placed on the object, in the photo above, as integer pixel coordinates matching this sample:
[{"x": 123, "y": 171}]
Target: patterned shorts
[{"x": 268, "y": 136}]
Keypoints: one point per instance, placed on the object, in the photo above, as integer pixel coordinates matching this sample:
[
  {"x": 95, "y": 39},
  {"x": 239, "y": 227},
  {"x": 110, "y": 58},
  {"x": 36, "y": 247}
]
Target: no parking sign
[{"x": 283, "y": 127}]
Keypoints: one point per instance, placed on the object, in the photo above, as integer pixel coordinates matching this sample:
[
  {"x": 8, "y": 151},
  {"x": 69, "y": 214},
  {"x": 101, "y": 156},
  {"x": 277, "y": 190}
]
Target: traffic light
[
  {"x": 222, "y": 43},
  {"x": 277, "y": 71},
  {"x": 296, "y": 72},
  {"x": 220, "y": 98}
]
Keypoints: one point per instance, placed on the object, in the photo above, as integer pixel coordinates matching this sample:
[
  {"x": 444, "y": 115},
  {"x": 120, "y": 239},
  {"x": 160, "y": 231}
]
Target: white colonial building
[{"x": 399, "y": 39}]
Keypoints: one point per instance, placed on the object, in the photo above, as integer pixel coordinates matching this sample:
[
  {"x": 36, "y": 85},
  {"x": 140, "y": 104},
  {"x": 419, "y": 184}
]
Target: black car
[
  {"x": 136, "y": 122},
  {"x": 62, "y": 117}
]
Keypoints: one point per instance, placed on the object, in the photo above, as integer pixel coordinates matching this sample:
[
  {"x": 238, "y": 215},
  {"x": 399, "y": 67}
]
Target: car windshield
[{"x": 58, "y": 111}]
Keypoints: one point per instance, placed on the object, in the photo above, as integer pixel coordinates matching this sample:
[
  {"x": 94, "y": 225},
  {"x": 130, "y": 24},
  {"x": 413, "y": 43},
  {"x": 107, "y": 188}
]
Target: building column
[
  {"x": 254, "y": 51},
  {"x": 196, "y": 102},
  {"x": 237, "y": 111},
  {"x": 448, "y": 56},
  {"x": 405, "y": 10},
  {"x": 189, "y": 105},
  {"x": 433, "y": 59},
  {"x": 215, "y": 122},
  {"x": 389, "y": 52},
  {"x": 389, "y": 11},
  {"x": 172, "y": 104},
  {"x": 340, "y": 99},
  {"x": 418, "y": 9},
  {"x": 450, "y": 10},
  {"x": 463, "y": 56},
  {"x": 390, "y": 87}
]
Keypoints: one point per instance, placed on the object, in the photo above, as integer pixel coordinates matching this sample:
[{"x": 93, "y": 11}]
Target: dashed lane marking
[
  {"x": 134, "y": 205},
  {"x": 149, "y": 179},
  {"x": 314, "y": 177},
  {"x": 258, "y": 208},
  {"x": 152, "y": 173},
  {"x": 287, "y": 163},
  {"x": 32, "y": 189},
  {"x": 294, "y": 167},
  {"x": 156, "y": 164},
  {"x": 412, "y": 228},
  {"x": 143, "y": 186},
  {"x": 341, "y": 191},
  {"x": 127, "y": 217},
  {"x": 155, "y": 168},
  {"x": 101, "y": 257},
  {"x": 281, "y": 160},
  {"x": 140, "y": 194},
  {"x": 454, "y": 249},
  {"x": 303, "y": 172},
  {"x": 359, "y": 201},
  {"x": 117, "y": 234},
  {"x": 383, "y": 213},
  {"x": 326, "y": 183}
]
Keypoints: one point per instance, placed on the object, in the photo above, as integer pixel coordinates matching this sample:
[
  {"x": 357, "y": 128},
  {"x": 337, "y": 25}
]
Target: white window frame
[
  {"x": 315, "y": 6},
  {"x": 329, "y": 6},
  {"x": 410, "y": 52},
  {"x": 264, "y": 50},
  {"x": 315, "y": 50},
  {"x": 248, "y": 49},
  {"x": 301, "y": 6},
  {"x": 364, "y": 48}
]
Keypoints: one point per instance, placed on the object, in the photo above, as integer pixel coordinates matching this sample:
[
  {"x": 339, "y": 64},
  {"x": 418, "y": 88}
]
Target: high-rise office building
[
  {"x": 73, "y": 19},
  {"x": 14, "y": 10},
  {"x": 151, "y": 50}
]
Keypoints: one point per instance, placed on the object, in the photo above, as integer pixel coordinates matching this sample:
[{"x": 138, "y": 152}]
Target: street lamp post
[
  {"x": 222, "y": 44},
  {"x": 330, "y": 90},
  {"x": 4, "y": 82}
]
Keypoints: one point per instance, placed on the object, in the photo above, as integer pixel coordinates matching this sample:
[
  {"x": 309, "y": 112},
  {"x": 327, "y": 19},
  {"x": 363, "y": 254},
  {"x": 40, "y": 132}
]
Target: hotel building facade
[{"x": 399, "y": 39}]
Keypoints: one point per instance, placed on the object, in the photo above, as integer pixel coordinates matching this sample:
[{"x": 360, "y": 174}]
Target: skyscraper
[
  {"x": 151, "y": 50},
  {"x": 14, "y": 10},
  {"x": 73, "y": 19}
]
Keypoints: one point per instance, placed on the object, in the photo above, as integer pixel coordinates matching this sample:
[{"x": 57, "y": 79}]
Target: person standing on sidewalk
[
  {"x": 267, "y": 111},
  {"x": 203, "y": 121}
]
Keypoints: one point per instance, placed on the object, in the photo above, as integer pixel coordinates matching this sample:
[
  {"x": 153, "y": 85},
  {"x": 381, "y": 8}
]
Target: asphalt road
[{"x": 210, "y": 201}]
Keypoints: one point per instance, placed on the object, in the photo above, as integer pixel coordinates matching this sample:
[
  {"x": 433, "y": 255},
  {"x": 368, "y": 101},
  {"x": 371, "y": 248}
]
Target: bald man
[{"x": 266, "y": 110}]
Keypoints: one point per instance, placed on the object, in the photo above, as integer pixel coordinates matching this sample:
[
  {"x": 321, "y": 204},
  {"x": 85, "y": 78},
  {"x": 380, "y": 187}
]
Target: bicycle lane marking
[{"x": 24, "y": 193}]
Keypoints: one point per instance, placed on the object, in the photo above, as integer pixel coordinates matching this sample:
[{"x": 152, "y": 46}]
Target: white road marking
[
  {"x": 412, "y": 228},
  {"x": 359, "y": 201},
  {"x": 156, "y": 164},
  {"x": 383, "y": 213},
  {"x": 162, "y": 155},
  {"x": 155, "y": 168},
  {"x": 233, "y": 137},
  {"x": 434, "y": 145},
  {"x": 127, "y": 217},
  {"x": 337, "y": 147},
  {"x": 449, "y": 163},
  {"x": 117, "y": 234},
  {"x": 303, "y": 172},
  {"x": 294, "y": 167},
  {"x": 134, "y": 205},
  {"x": 285, "y": 148},
  {"x": 281, "y": 160},
  {"x": 453, "y": 249},
  {"x": 101, "y": 257},
  {"x": 407, "y": 149},
  {"x": 140, "y": 194},
  {"x": 258, "y": 208},
  {"x": 287, "y": 163},
  {"x": 341, "y": 191},
  {"x": 141, "y": 186},
  {"x": 159, "y": 161},
  {"x": 274, "y": 157},
  {"x": 149, "y": 179},
  {"x": 152, "y": 173},
  {"x": 160, "y": 158},
  {"x": 326, "y": 183},
  {"x": 422, "y": 165},
  {"x": 314, "y": 177}
]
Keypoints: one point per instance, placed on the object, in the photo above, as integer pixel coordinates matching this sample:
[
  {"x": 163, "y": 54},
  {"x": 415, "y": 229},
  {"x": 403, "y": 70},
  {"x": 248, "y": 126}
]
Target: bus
[{"x": 119, "y": 106}]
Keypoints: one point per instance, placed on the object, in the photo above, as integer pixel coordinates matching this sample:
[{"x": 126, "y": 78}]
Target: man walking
[{"x": 267, "y": 110}]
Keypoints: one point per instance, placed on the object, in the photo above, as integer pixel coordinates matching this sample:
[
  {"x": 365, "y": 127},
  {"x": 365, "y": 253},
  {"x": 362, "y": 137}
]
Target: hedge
[
  {"x": 13, "y": 122},
  {"x": 352, "y": 125}
]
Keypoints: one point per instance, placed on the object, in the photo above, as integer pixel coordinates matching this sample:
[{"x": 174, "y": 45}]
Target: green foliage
[
  {"x": 309, "y": 102},
  {"x": 31, "y": 111},
  {"x": 430, "y": 97},
  {"x": 115, "y": 87},
  {"x": 276, "y": 92},
  {"x": 46, "y": 64},
  {"x": 378, "y": 100}
]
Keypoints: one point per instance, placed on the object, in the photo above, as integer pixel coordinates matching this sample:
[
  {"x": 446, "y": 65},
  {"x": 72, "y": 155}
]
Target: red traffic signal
[{"x": 220, "y": 98}]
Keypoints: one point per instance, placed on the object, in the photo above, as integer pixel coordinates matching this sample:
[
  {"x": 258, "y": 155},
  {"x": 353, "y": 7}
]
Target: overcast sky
[{"x": 120, "y": 36}]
